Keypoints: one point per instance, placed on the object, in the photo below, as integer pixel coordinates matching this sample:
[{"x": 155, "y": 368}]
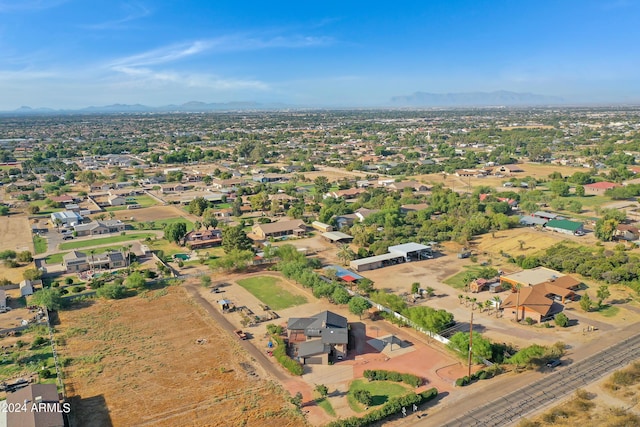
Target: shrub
[
  {"x": 461, "y": 382},
  {"x": 529, "y": 321},
  {"x": 68, "y": 281},
  {"x": 382, "y": 375},
  {"x": 561, "y": 320},
  {"x": 363, "y": 396},
  {"x": 280, "y": 354}
]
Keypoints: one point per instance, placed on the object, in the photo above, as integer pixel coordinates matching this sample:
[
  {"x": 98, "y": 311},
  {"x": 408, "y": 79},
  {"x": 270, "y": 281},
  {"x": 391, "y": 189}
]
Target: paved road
[
  {"x": 560, "y": 384},
  {"x": 258, "y": 356}
]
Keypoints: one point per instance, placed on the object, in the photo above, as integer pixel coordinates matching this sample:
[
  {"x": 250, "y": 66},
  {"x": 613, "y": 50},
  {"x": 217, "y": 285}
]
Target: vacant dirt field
[
  {"x": 150, "y": 214},
  {"x": 138, "y": 362},
  {"x": 15, "y": 234},
  {"x": 533, "y": 170}
]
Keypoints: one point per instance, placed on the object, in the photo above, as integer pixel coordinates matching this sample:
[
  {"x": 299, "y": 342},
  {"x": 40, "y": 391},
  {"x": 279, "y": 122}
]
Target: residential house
[
  {"x": 66, "y": 218},
  {"x": 347, "y": 220},
  {"x": 203, "y": 239},
  {"x": 172, "y": 188},
  {"x": 531, "y": 302},
  {"x": 76, "y": 262},
  {"x": 40, "y": 405},
  {"x": 402, "y": 185},
  {"x": 626, "y": 232},
  {"x": 116, "y": 200},
  {"x": 413, "y": 207},
  {"x": 270, "y": 177},
  {"x": 598, "y": 188},
  {"x": 100, "y": 186},
  {"x": 294, "y": 227},
  {"x": 100, "y": 227},
  {"x": 319, "y": 339},
  {"x": 350, "y": 193}
]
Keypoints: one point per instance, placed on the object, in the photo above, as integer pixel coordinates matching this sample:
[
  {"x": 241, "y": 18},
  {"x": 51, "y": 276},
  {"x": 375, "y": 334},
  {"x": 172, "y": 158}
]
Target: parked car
[
  {"x": 553, "y": 363},
  {"x": 67, "y": 237}
]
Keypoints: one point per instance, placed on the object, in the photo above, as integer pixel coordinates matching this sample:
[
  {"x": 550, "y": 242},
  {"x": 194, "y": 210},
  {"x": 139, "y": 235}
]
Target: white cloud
[{"x": 134, "y": 11}]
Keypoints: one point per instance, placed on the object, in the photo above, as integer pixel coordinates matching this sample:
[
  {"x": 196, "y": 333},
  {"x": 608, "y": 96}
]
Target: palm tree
[
  {"x": 496, "y": 302},
  {"x": 488, "y": 305},
  {"x": 197, "y": 226},
  {"x": 345, "y": 254},
  {"x": 460, "y": 298},
  {"x": 473, "y": 303}
]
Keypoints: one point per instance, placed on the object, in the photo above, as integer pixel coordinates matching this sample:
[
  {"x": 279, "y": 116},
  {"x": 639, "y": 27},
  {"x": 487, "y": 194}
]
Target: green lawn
[
  {"x": 144, "y": 201},
  {"x": 39, "y": 244},
  {"x": 380, "y": 391},
  {"x": 270, "y": 291},
  {"x": 326, "y": 405},
  {"x": 609, "y": 311},
  {"x": 457, "y": 280},
  {"x": 104, "y": 241}
]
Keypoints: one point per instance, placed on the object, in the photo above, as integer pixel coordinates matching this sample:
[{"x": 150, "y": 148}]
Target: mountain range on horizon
[{"x": 415, "y": 100}]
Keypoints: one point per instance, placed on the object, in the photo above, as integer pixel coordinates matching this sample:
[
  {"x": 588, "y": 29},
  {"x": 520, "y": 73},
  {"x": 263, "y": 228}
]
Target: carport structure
[
  {"x": 337, "y": 237},
  {"x": 412, "y": 251}
]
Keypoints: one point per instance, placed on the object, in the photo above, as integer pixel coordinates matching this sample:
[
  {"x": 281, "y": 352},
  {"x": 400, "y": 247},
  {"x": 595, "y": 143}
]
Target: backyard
[
  {"x": 270, "y": 291},
  {"x": 104, "y": 241},
  {"x": 380, "y": 391}
]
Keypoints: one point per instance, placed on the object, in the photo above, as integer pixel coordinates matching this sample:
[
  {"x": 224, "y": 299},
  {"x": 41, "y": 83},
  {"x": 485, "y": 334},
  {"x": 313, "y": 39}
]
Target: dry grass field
[
  {"x": 15, "y": 234},
  {"x": 509, "y": 241},
  {"x": 138, "y": 362},
  {"x": 533, "y": 170},
  {"x": 154, "y": 213}
]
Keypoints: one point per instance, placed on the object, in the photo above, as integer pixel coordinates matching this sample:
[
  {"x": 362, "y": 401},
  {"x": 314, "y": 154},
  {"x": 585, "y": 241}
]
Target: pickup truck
[{"x": 240, "y": 334}]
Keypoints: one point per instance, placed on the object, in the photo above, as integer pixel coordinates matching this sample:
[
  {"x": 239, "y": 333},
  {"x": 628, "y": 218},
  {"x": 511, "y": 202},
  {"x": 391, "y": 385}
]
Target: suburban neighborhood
[{"x": 315, "y": 268}]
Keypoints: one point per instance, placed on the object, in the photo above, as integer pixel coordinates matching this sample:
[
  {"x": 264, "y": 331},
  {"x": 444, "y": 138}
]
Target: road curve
[{"x": 551, "y": 388}]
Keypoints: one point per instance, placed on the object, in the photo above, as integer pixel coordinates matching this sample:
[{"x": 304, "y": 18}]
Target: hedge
[
  {"x": 280, "y": 353},
  {"x": 480, "y": 375},
  {"x": 392, "y": 407},
  {"x": 382, "y": 375}
]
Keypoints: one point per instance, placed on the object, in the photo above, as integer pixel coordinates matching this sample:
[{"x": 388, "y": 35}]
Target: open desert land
[
  {"x": 155, "y": 213},
  {"x": 158, "y": 359}
]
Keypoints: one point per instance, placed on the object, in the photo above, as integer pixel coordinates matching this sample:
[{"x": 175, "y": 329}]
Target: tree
[
  {"x": 561, "y": 320},
  {"x": 358, "y": 305},
  {"x": 33, "y": 209},
  {"x": 236, "y": 207},
  {"x": 321, "y": 184},
  {"x": 197, "y": 225},
  {"x": 112, "y": 291},
  {"x": 605, "y": 229},
  {"x": 209, "y": 219},
  {"x": 234, "y": 238},
  {"x": 24, "y": 256},
  {"x": 363, "y": 396},
  {"x": 322, "y": 390},
  {"x": 175, "y": 232},
  {"x": 205, "y": 281},
  {"x": 297, "y": 400},
  {"x": 603, "y": 293},
  {"x": 585, "y": 302},
  {"x": 197, "y": 206},
  {"x": 482, "y": 348},
  {"x": 135, "y": 280},
  {"x": 345, "y": 254},
  {"x": 48, "y": 297},
  {"x": 559, "y": 188},
  {"x": 340, "y": 295},
  {"x": 580, "y": 190},
  {"x": 415, "y": 286},
  {"x": 32, "y": 274}
]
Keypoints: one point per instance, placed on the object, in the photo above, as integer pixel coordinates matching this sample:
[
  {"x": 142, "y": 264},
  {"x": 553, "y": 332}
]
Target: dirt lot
[
  {"x": 150, "y": 214},
  {"x": 533, "y": 170},
  {"x": 138, "y": 362},
  {"x": 15, "y": 234}
]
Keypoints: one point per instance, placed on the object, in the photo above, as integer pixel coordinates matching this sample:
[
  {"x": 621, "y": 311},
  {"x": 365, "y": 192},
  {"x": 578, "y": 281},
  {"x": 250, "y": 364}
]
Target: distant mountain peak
[{"x": 496, "y": 98}]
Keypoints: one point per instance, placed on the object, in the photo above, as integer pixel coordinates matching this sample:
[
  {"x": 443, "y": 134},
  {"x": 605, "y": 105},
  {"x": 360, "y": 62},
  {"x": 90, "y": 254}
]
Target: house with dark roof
[
  {"x": 100, "y": 227},
  {"x": 320, "y": 338}
]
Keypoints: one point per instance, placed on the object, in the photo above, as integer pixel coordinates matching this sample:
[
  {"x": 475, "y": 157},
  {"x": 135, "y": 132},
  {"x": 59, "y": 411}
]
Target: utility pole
[{"x": 470, "y": 343}]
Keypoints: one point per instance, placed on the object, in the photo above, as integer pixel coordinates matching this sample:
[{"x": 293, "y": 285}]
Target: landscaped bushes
[
  {"x": 393, "y": 406},
  {"x": 280, "y": 353},
  {"x": 480, "y": 375},
  {"x": 382, "y": 375}
]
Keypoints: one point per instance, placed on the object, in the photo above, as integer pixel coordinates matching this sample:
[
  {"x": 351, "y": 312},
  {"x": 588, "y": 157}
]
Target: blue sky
[{"x": 75, "y": 53}]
